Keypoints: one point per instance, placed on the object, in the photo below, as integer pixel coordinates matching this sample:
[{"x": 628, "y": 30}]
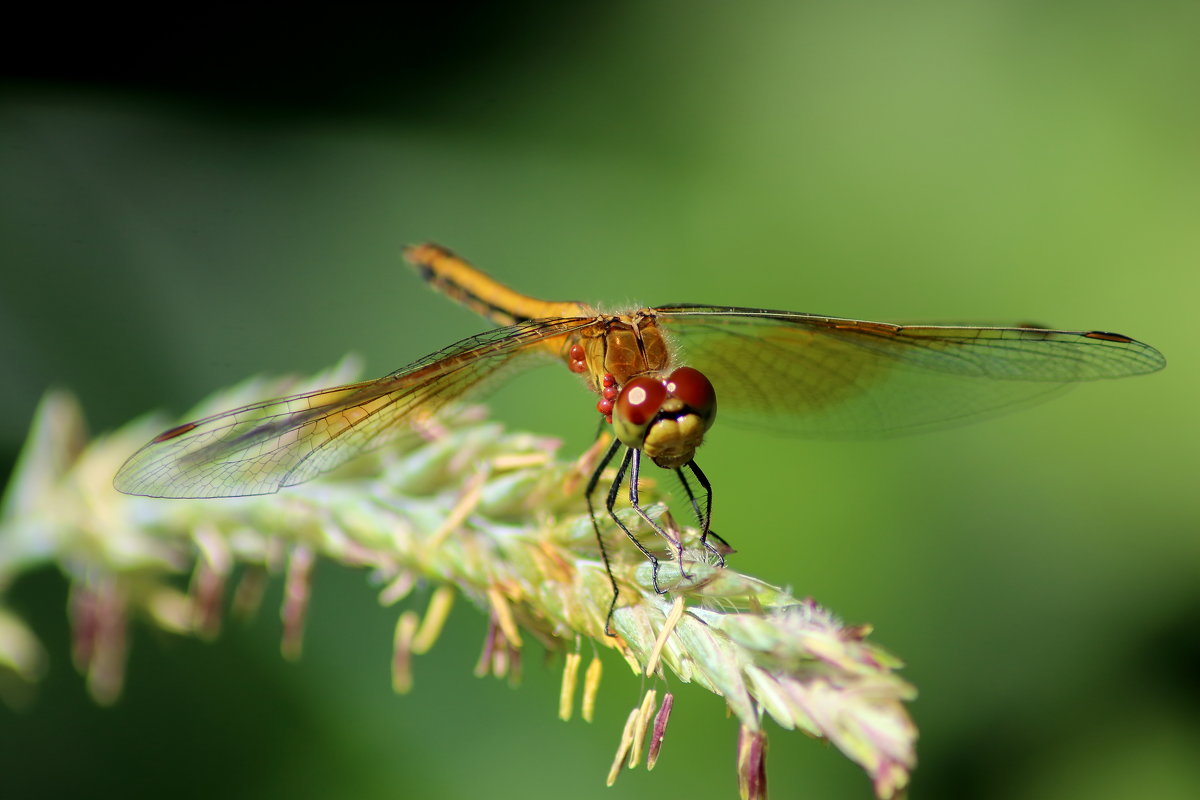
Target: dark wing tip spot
[
  {"x": 1108, "y": 337},
  {"x": 177, "y": 431}
]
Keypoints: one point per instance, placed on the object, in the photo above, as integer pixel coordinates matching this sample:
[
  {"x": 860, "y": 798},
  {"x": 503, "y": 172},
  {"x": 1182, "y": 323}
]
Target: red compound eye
[
  {"x": 695, "y": 390},
  {"x": 637, "y": 405},
  {"x": 640, "y": 400}
]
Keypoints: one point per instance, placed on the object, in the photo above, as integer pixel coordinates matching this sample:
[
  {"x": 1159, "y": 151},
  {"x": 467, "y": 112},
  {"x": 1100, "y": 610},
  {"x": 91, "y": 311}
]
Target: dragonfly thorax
[{"x": 622, "y": 345}]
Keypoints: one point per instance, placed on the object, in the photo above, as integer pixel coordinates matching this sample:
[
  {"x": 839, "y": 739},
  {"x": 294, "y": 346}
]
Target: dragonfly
[{"x": 657, "y": 373}]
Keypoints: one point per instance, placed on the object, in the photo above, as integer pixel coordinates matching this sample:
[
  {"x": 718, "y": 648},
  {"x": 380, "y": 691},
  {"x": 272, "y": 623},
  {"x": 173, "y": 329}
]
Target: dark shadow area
[
  {"x": 1167, "y": 664},
  {"x": 269, "y": 61}
]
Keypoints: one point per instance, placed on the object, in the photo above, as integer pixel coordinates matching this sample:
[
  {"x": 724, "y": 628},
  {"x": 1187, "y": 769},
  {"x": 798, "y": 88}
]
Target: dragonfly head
[{"x": 666, "y": 418}]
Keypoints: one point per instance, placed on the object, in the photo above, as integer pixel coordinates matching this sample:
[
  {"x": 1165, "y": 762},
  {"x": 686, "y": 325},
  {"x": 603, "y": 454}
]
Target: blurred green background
[{"x": 229, "y": 195}]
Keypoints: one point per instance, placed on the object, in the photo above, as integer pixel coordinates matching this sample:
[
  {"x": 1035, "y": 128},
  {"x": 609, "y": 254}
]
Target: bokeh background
[{"x": 187, "y": 202}]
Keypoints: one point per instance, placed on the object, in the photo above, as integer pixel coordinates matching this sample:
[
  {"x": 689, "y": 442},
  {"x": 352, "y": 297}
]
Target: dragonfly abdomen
[{"x": 481, "y": 293}]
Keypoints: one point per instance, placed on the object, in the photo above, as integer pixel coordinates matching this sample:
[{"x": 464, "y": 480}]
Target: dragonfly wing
[
  {"x": 825, "y": 376},
  {"x": 259, "y": 448}
]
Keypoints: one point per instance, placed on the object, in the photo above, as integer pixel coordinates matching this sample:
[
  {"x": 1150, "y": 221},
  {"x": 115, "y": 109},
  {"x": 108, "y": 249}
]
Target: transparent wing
[
  {"x": 259, "y": 448},
  {"x": 824, "y": 376}
]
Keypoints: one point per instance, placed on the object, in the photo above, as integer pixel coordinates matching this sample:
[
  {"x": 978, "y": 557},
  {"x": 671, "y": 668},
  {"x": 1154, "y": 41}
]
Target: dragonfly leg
[
  {"x": 706, "y": 519},
  {"x": 632, "y": 455},
  {"x": 591, "y": 489},
  {"x": 633, "y": 501}
]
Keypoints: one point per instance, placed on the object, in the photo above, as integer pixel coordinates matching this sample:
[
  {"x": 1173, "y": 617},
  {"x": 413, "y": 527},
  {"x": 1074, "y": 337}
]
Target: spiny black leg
[
  {"x": 707, "y": 519},
  {"x": 633, "y": 501},
  {"x": 701, "y": 519},
  {"x": 591, "y": 488},
  {"x": 687, "y": 487},
  {"x": 633, "y": 456}
]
